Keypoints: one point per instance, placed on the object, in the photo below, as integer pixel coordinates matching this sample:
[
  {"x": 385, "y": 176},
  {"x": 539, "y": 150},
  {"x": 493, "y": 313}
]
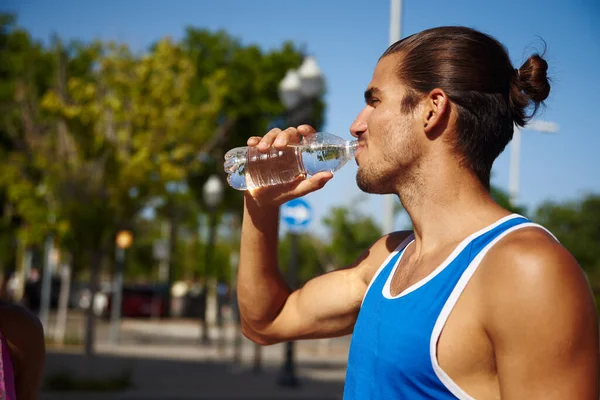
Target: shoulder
[
  {"x": 23, "y": 332},
  {"x": 532, "y": 281},
  {"x": 535, "y": 257},
  {"x": 372, "y": 259}
]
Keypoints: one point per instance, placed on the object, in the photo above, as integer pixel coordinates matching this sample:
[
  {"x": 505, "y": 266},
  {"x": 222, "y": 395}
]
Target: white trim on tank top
[
  {"x": 451, "y": 302},
  {"x": 399, "y": 248},
  {"x": 386, "y": 291}
]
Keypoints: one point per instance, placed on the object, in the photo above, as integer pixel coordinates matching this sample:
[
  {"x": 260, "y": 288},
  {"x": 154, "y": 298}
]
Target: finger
[
  {"x": 312, "y": 184},
  {"x": 253, "y": 141},
  {"x": 305, "y": 130},
  {"x": 289, "y": 136},
  {"x": 268, "y": 139}
]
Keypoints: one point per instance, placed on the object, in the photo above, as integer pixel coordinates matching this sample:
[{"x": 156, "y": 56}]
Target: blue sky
[{"x": 347, "y": 37}]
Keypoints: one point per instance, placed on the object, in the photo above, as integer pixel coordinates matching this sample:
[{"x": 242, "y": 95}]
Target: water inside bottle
[
  {"x": 273, "y": 167},
  {"x": 321, "y": 158},
  {"x": 248, "y": 168}
]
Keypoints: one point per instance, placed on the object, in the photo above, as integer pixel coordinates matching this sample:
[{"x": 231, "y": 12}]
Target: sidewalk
[{"x": 167, "y": 363}]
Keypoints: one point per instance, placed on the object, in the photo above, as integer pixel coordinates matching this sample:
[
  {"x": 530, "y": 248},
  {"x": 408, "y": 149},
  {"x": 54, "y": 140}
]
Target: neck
[{"x": 447, "y": 206}]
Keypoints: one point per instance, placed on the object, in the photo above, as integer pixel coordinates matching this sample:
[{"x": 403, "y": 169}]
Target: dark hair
[{"x": 475, "y": 72}]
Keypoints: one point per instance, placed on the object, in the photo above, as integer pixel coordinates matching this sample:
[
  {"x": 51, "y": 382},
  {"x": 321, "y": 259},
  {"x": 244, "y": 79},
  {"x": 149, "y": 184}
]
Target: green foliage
[
  {"x": 311, "y": 261},
  {"x": 123, "y": 127},
  {"x": 350, "y": 233},
  {"x": 503, "y": 200},
  {"x": 576, "y": 225}
]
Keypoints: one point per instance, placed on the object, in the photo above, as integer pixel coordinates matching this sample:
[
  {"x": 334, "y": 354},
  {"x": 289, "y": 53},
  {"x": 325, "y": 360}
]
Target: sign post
[
  {"x": 123, "y": 241},
  {"x": 296, "y": 215}
]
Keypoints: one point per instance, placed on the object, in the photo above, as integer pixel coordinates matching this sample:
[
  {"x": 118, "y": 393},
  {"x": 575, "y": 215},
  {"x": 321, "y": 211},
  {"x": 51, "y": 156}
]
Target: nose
[{"x": 360, "y": 126}]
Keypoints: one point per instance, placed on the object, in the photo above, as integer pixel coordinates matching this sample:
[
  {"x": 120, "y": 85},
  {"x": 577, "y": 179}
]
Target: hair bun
[
  {"x": 533, "y": 80},
  {"x": 531, "y": 85}
]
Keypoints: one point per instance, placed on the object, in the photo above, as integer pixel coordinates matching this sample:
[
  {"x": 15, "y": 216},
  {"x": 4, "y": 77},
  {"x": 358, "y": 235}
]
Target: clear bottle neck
[{"x": 351, "y": 147}]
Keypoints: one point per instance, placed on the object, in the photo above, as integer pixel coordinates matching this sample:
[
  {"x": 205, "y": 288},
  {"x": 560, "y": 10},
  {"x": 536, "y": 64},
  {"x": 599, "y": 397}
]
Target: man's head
[{"x": 453, "y": 87}]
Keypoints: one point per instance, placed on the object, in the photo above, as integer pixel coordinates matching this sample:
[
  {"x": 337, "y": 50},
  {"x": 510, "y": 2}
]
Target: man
[{"x": 476, "y": 302}]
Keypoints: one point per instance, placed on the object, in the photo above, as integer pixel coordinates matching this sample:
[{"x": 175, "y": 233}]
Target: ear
[{"x": 435, "y": 110}]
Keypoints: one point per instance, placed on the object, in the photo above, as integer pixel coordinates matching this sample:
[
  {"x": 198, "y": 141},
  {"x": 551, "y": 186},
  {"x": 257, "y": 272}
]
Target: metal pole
[
  {"x": 115, "y": 313},
  {"x": 288, "y": 375},
  {"x": 237, "y": 339},
  {"x": 395, "y": 21},
  {"x": 257, "y": 359},
  {"x": 46, "y": 282},
  {"x": 63, "y": 303},
  {"x": 233, "y": 302},
  {"x": 205, "y": 339},
  {"x": 164, "y": 257},
  {"x": 515, "y": 151},
  {"x": 395, "y": 35}
]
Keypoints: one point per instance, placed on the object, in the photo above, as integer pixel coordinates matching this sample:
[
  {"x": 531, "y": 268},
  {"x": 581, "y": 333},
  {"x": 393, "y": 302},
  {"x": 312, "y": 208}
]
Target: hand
[{"x": 279, "y": 194}]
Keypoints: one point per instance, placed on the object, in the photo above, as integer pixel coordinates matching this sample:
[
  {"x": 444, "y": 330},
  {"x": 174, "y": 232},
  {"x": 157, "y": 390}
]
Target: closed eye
[{"x": 370, "y": 98}]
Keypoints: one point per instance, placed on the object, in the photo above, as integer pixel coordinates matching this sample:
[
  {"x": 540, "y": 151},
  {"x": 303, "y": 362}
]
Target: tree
[
  {"x": 576, "y": 224},
  {"x": 129, "y": 131},
  {"x": 251, "y": 101},
  {"x": 311, "y": 262},
  {"x": 91, "y": 135},
  {"x": 350, "y": 234},
  {"x": 25, "y": 73}
]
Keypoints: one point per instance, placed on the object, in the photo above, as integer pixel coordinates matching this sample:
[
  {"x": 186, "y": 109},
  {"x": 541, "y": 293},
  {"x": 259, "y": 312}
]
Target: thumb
[{"x": 312, "y": 184}]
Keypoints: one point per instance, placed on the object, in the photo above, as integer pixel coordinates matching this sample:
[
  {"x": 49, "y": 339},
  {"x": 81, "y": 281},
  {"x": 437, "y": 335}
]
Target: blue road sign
[{"x": 296, "y": 215}]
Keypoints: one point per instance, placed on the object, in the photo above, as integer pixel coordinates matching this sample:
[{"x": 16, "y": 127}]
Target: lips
[{"x": 359, "y": 150}]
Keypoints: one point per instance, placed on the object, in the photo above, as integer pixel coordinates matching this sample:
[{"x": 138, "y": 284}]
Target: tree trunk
[
  {"x": 90, "y": 329},
  {"x": 63, "y": 303},
  {"x": 173, "y": 234}
]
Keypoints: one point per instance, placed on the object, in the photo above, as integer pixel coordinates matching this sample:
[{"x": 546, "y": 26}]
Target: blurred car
[{"x": 141, "y": 301}]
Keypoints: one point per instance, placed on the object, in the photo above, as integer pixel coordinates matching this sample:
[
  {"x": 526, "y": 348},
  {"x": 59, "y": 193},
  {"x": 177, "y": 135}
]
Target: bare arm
[
  {"x": 326, "y": 306},
  {"x": 544, "y": 329},
  {"x": 25, "y": 338}
]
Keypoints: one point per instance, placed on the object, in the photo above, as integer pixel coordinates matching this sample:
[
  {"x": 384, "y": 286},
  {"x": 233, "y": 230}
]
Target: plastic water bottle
[{"x": 248, "y": 168}]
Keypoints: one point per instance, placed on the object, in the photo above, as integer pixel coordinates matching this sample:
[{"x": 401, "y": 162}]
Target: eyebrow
[{"x": 370, "y": 93}]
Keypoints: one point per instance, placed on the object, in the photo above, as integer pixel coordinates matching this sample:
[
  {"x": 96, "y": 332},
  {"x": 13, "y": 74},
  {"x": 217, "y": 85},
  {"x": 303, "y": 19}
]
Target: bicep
[
  {"x": 326, "y": 306},
  {"x": 543, "y": 328}
]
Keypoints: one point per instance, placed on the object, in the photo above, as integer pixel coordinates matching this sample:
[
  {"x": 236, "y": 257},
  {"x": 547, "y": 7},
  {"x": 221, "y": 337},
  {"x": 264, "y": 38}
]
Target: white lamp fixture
[
  {"x": 289, "y": 89},
  {"x": 311, "y": 78},
  {"x": 213, "y": 191}
]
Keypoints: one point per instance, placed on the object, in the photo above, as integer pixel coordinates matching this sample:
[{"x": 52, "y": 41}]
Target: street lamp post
[
  {"x": 395, "y": 35},
  {"x": 515, "y": 154},
  {"x": 123, "y": 241},
  {"x": 213, "y": 194},
  {"x": 299, "y": 91}
]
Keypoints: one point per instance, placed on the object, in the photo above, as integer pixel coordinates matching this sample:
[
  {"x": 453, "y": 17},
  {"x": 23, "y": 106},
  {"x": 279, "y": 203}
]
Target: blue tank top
[{"x": 393, "y": 353}]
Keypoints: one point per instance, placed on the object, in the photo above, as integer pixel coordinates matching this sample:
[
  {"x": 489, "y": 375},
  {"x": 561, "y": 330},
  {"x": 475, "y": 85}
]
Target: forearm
[{"x": 261, "y": 288}]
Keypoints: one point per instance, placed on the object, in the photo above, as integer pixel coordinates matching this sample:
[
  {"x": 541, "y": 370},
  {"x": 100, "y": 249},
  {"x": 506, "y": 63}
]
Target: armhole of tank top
[
  {"x": 451, "y": 302},
  {"x": 398, "y": 249}
]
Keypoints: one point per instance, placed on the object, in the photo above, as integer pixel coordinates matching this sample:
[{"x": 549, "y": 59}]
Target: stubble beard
[
  {"x": 370, "y": 180},
  {"x": 383, "y": 176}
]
